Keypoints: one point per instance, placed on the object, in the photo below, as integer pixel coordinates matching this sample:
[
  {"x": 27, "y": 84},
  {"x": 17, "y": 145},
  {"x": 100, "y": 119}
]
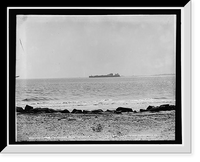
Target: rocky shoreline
[{"x": 29, "y": 109}]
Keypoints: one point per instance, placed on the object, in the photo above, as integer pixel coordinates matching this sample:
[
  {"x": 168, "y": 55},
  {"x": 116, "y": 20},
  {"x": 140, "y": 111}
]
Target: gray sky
[{"x": 79, "y": 46}]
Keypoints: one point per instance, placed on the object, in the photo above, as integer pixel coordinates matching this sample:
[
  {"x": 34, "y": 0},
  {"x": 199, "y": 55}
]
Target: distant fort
[{"x": 108, "y": 75}]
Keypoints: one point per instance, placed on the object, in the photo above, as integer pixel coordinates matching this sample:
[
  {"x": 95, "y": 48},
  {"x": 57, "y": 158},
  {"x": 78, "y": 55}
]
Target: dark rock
[
  {"x": 172, "y": 107},
  {"x": 155, "y": 109},
  {"x": 135, "y": 111},
  {"x": 110, "y": 111},
  {"x": 143, "y": 110},
  {"x": 42, "y": 110},
  {"x": 36, "y": 110},
  {"x": 28, "y": 108},
  {"x": 165, "y": 107},
  {"x": 123, "y": 109},
  {"x": 86, "y": 112},
  {"x": 150, "y": 107},
  {"x": 98, "y": 111},
  {"x": 50, "y": 111},
  {"x": 75, "y": 111},
  {"x": 117, "y": 112},
  {"x": 65, "y": 111},
  {"x": 58, "y": 111},
  {"x": 19, "y": 109}
]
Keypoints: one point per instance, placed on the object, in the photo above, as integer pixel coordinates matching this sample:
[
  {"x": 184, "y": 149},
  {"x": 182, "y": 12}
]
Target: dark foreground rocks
[
  {"x": 165, "y": 107},
  {"x": 124, "y": 109},
  {"x": 98, "y": 111},
  {"x": 64, "y": 111},
  {"x": 43, "y": 110},
  {"x": 119, "y": 110},
  {"x": 86, "y": 112},
  {"x": 28, "y": 108},
  {"x": 110, "y": 111},
  {"x": 19, "y": 109},
  {"x": 75, "y": 111}
]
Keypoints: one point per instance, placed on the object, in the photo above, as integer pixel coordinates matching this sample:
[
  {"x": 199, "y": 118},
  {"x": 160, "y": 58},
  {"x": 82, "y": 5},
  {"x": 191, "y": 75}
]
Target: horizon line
[{"x": 88, "y": 76}]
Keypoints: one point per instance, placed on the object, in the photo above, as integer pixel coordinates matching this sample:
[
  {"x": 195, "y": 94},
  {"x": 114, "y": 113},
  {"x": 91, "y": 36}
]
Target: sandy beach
[{"x": 105, "y": 126}]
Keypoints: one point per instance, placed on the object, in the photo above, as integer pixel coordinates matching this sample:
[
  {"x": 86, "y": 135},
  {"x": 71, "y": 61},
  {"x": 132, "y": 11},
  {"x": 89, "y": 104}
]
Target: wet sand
[{"x": 101, "y": 127}]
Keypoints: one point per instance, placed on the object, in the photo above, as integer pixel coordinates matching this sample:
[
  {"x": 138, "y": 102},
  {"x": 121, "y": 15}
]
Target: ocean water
[{"x": 96, "y": 93}]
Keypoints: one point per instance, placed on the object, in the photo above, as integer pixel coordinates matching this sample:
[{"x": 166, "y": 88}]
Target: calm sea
[{"x": 95, "y": 93}]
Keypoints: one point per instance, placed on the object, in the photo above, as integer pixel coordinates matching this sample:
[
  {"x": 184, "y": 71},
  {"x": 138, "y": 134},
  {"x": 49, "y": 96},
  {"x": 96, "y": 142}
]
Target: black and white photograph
[
  {"x": 96, "y": 77},
  {"x": 98, "y": 80}
]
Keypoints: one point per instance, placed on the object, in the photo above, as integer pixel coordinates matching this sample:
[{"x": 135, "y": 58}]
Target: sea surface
[{"x": 96, "y": 93}]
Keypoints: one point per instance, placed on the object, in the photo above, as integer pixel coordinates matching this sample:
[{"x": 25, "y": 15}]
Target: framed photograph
[{"x": 99, "y": 79}]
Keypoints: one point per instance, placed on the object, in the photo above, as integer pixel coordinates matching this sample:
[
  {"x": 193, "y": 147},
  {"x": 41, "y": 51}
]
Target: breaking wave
[{"x": 38, "y": 99}]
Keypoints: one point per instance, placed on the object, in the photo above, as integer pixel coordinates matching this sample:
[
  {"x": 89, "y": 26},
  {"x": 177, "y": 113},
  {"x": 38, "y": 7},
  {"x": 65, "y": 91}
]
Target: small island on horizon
[{"x": 108, "y": 75}]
